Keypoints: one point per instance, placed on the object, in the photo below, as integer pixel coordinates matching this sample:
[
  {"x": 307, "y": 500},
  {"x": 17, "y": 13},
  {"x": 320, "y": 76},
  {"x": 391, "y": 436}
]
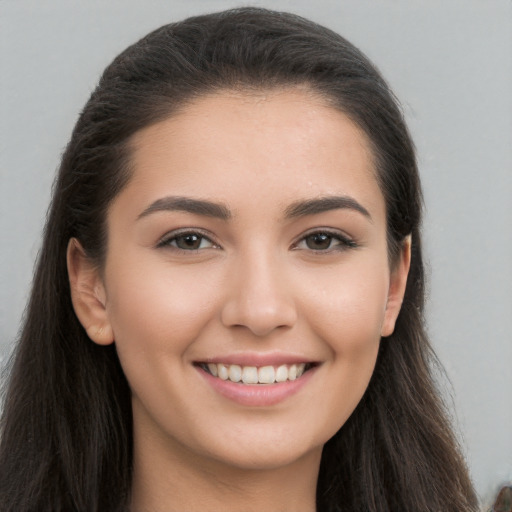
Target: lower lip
[{"x": 257, "y": 395}]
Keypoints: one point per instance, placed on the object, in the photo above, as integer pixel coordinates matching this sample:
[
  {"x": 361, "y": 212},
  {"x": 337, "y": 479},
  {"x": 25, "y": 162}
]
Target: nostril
[{"x": 260, "y": 317}]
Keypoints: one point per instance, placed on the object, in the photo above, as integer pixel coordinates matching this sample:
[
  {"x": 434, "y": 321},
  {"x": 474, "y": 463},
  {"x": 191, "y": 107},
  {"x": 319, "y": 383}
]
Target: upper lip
[{"x": 258, "y": 359}]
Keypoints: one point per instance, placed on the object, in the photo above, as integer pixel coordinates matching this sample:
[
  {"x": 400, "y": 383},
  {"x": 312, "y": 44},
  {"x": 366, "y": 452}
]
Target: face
[{"x": 246, "y": 283}]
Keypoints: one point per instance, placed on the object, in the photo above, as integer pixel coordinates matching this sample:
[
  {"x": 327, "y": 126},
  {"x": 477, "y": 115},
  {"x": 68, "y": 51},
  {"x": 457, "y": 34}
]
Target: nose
[{"x": 260, "y": 298}]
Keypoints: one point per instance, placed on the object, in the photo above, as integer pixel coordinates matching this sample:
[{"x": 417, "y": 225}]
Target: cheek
[
  {"x": 346, "y": 314},
  {"x": 156, "y": 314},
  {"x": 158, "y": 308},
  {"x": 347, "y": 307}
]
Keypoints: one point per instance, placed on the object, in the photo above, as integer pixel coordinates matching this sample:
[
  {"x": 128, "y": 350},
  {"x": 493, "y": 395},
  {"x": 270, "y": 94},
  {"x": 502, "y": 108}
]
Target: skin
[{"x": 257, "y": 285}]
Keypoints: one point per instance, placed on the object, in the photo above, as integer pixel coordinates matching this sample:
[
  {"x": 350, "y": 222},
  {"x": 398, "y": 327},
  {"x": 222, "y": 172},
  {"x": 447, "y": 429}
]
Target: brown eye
[
  {"x": 187, "y": 242},
  {"x": 319, "y": 241},
  {"x": 190, "y": 242},
  {"x": 324, "y": 241}
]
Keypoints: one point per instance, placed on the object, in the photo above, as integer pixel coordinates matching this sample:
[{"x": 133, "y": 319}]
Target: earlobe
[
  {"x": 88, "y": 294},
  {"x": 397, "y": 286}
]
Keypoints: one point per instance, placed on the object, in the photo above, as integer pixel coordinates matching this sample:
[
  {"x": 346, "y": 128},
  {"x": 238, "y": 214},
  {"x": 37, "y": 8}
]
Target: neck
[{"x": 171, "y": 479}]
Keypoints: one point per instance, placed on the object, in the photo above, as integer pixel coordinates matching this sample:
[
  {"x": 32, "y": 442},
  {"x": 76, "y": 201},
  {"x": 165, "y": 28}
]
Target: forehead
[{"x": 288, "y": 143}]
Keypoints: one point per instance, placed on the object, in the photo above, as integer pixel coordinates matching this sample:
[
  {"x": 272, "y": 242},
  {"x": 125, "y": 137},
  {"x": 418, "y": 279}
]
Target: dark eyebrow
[
  {"x": 324, "y": 204},
  {"x": 187, "y": 204}
]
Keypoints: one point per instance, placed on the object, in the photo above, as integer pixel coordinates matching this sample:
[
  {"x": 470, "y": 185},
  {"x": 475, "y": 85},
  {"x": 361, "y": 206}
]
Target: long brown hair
[{"x": 66, "y": 432}]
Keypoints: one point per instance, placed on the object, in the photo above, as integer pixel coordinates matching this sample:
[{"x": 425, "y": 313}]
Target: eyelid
[
  {"x": 346, "y": 241},
  {"x": 171, "y": 235}
]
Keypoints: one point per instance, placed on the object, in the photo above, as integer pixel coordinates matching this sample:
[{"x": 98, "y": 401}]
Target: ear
[
  {"x": 88, "y": 294},
  {"x": 397, "y": 285}
]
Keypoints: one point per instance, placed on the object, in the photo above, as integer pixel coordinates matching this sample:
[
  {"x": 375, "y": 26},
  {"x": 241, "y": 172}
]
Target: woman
[{"x": 227, "y": 309}]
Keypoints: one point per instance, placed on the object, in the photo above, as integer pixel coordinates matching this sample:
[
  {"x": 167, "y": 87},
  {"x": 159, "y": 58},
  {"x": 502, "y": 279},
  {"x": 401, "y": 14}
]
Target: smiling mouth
[{"x": 256, "y": 374}]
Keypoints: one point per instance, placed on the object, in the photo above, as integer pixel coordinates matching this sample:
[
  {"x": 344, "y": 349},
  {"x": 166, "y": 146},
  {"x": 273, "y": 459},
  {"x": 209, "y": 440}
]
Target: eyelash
[
  {"x": 344, "y": 241},
  {"x": 167, "y": 240},
  {"x": 170, "y": 241}
]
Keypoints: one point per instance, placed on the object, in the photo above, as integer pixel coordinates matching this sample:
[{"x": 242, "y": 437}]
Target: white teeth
[
  {"x": 235, "y": 373},
  {"x": 213, "y": 369},
  {"x": 222, "y": 372},
  {"x": 282, "y": 373},
  {"x": 266, "y": 375},
  {"x": 250, "y": 375},
  {"x": 255, "y": 375}
]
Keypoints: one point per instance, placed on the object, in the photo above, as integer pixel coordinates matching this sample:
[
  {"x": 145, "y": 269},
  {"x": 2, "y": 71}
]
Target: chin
[
  {"x": 270, "y": 448},
  {"x": 265, "y": 458}
]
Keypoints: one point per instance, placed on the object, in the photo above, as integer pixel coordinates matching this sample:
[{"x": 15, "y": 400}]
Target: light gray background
[{"x": 450, "y": 63}]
